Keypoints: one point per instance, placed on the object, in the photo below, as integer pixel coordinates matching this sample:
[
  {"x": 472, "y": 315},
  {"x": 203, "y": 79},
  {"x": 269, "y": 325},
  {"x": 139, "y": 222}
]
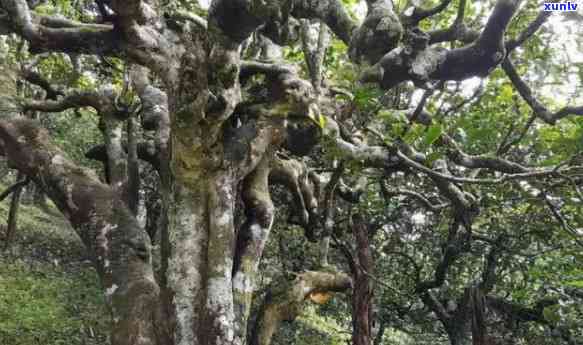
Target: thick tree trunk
[
  {"x": 201, "y": 228},
  {"x": 119, "y": 248},
  {"x": 188, "y": 224},
  {"x": 187, "y": 237},
  {"x": 201, "y": 260}
]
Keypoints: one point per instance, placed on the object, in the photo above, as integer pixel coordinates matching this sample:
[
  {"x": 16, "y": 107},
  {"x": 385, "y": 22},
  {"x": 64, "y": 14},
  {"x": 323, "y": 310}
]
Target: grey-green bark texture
[{"x": 119, "y": 248}]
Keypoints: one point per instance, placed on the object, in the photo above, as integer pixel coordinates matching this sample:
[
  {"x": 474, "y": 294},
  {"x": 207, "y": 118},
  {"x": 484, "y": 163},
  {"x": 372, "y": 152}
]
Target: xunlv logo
[{"x": 561, "y": 6}]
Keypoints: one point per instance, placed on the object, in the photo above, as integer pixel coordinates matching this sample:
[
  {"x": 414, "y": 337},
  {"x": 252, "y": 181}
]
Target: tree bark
[
  {"x": 362, "y": 292},
  {"x": 133, "y": 165},
  {"x": 285, "y": 300},
  {"x": 459, "y": 335},
  {"x": 13, "y": 214},
  {"x": 119, "y": 248},
  {"x": 250, "y": 243}
]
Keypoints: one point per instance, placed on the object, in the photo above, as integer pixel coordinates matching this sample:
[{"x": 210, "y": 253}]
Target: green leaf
[
  {"x": 432, "y": 134},
  {"x": 506, "y": 93}
]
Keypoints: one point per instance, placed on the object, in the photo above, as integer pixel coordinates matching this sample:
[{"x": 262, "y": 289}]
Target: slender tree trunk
[
  {"x": 133, "y": 165},
  {"x": 362, "y": 292},
  {"x": 457, "y": 338},
  {"x": 378, "y": 339},
  {"x": 220, "y": 315},
  {"x": 12, "y": 223},
  {"x": 39, "y": 198},
  {"x": 3, "y": 171},
  {"x": 250, "y": 243},
  {"x": 116, "y": 156},
  {"x": 458, "y": 332}
]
